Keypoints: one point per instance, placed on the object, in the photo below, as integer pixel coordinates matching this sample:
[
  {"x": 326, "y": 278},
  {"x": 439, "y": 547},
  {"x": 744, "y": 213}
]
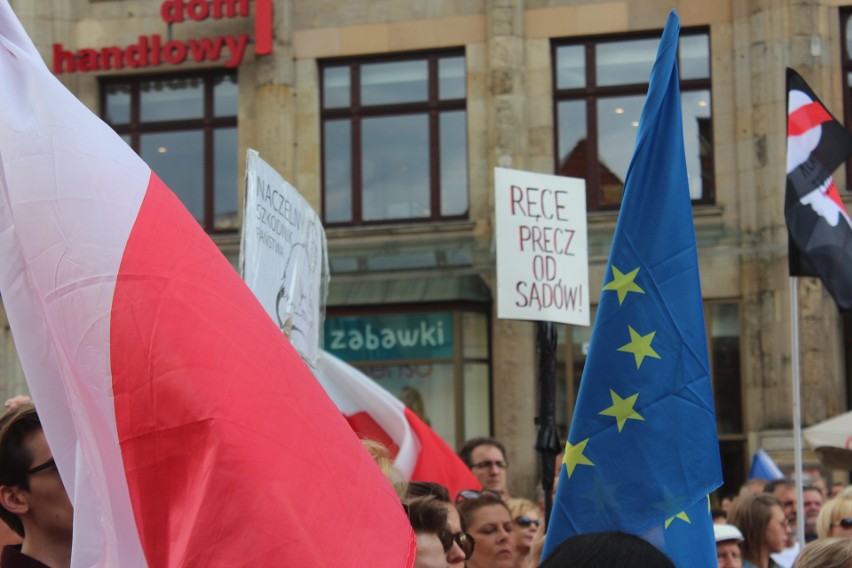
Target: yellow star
[
  {"x": 623, "y": 283},
  {"x": 682, "y": 516},
  {"x": 574, "y": 456},
  {"x": 640, "y": 346},
  {"x": 622, "y": 409}
]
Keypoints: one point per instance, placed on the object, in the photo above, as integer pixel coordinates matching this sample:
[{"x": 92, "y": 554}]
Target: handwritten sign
[
  {"x": 283, "y": 256},
  {"x": 542, "y": 247}
]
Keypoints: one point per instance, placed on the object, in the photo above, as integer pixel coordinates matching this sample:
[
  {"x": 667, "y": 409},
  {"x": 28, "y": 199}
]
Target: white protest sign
[
  {"x": 542, "y": 247},
  {"x": 283, "y": 256}
]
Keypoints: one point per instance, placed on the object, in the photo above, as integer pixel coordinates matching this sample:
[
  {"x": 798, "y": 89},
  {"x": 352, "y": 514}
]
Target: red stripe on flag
[
  {"x": 805, "y": 118},
  {"x": 263, "y": 27},
  {"x": 233, "y": 453},
  {"x": 437, "y": 461}
]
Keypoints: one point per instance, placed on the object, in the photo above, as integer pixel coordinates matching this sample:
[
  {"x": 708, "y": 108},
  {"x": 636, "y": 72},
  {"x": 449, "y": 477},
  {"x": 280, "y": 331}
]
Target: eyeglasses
[
  {"x": 467, "y": 494},
  {"x": 46, "y": 465},
  {"x": 488, "y": 464},
  {"x": 465, "y": 542},
  {"x": 845, "y": 523},
  {"x": 526, "y": 522}
]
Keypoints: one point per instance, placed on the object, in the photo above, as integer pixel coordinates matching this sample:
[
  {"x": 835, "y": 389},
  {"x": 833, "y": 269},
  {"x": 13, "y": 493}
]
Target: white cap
[{"x": 727, "y": 532}]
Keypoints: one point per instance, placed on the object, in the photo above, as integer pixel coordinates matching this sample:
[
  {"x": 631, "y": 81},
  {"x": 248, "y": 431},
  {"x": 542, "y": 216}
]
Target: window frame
[
  {"x": 591, "y": 93},
  {"x": 207, "y": 125},
  {"x": 356, "y": 112},
  {"x": 845, "y": 79}
]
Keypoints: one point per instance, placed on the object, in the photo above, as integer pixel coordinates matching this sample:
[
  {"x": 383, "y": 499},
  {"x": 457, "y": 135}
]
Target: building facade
[{"x": 389, "y": 116}]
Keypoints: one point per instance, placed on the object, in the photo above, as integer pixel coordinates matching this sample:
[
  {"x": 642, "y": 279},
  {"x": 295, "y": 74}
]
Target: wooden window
[
  {"x": 599, "y": 90},
  {"x": 394, "y": 132},
  {"x": 185, "y": 127}
]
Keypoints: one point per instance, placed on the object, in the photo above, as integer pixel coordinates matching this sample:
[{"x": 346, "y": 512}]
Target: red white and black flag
[{"x": 819, "y": 226}]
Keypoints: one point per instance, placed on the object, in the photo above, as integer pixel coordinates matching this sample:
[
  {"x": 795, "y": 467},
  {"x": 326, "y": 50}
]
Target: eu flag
[{"x": 642, "y": 453}]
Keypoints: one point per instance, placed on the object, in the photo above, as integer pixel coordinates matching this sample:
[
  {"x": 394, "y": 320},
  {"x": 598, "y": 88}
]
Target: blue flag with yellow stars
[{"x": 642, "y": 453}]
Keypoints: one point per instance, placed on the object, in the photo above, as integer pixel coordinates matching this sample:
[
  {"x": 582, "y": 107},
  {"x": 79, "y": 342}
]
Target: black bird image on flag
[{"x": 819, "y": 226}]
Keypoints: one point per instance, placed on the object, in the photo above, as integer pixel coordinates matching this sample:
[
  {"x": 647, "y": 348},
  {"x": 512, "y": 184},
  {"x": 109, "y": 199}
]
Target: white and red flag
[
  {"x": 374, "y": 413},
  {"x": 819, "y": 226},
  {"x": 186, "y": 429}
]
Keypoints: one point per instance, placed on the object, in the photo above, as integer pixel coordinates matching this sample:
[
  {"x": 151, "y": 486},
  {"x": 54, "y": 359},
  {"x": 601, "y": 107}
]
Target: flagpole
[
  {"x": 797, "y": 408},
  {"x": 547, "y": 443}
]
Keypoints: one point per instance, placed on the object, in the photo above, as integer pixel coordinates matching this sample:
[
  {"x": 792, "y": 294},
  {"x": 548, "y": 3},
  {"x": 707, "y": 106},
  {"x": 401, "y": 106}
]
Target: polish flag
[
  {"x": 374, "y": 413},
  {"x": 185, "y": 427}
]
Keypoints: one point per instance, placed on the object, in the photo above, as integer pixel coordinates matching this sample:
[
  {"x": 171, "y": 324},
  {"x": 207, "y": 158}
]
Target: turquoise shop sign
[{"x": 358, "y": 339}]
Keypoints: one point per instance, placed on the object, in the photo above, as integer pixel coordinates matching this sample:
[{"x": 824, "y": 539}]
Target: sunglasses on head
[
  {"x": 527, "y": 522},
  {"x": 845, "y": 523},
  {"x": 464, "y": 540},
  {"x": 466, "y": 494}
]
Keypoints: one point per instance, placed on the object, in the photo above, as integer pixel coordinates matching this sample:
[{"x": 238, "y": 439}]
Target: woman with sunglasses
[
  {"x": 489, "y": 522},
  {"x": 463, "y": 544},
  {"x": 835, "y": 517},
  {"x": 525, "y": 522},
  {"x": 762, "y": 521}
]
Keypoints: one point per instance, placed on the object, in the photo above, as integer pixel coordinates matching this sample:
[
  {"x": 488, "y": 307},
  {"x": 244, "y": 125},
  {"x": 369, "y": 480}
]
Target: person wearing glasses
[
  {"x": 489, "y": 522},
  {"x": 33, "y": 501},
  {"x": 428, "y": 519},
  {"x": 835, "y": 517},
  {"x": 463, "y": 544},
  {"x": 525, "y": 523},
  {"x": 486, "y": 458},
  {"x": 764, "y": 526}
]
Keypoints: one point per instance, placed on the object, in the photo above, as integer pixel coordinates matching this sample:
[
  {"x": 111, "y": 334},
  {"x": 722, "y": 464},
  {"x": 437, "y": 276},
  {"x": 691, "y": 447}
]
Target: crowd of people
[{"x": 479, "y": 528}]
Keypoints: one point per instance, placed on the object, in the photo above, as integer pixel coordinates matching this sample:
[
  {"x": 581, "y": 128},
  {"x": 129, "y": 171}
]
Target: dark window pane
[
  {"x": 695, "y": 57},
  {"x": 625, "y": 62},
  {"x": 394, "y": 82},
  {"x": 335, "y": 87},
  {"x": 117, "y": 103},
  {"x": 725, "y": 354},
  {"x": 395, "y": 167},
  {"x": 337, "y": 173},
  {"x": 618, "y": 122},
  {"x": 225, "y": 93},
  {"x": 698, "y": 141},
  {"x": 178, "y": 158},
  {"x": 171, "y": 99},
  {"x": 570, "y": 67},
  {"x": 225, "y": 179},
  {"x": 573, "y": 144},
  {"x": 451, "y": 78},
  {"x": 454, "y": 163}
]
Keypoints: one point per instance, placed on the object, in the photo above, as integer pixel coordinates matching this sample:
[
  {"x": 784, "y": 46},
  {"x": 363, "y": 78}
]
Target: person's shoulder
[{"x": 12, "y": 557}]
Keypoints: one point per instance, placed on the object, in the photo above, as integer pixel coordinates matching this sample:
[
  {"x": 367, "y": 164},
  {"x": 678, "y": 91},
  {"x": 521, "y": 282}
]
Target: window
[
  {"x": 394, "y": 136},
  {"x": 600, "y": 87},
  {"x": 846, "y": 63},
  {"x": 185, "y": 128}
]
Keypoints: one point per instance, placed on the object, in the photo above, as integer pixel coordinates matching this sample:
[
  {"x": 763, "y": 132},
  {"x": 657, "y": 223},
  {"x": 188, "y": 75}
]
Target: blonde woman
[
  {"x": 525, "y": 522},
  {"x": 826, "y": 553},
  {"x": 835, "y": 517},
  {"x": 762, "y": 521}
]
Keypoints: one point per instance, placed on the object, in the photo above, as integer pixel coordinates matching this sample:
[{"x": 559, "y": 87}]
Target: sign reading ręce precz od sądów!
[
  {"x": 542, "y": 247},
  {"x": 153, "y": 51}
]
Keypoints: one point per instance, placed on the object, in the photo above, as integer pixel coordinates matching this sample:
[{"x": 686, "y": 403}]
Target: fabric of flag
[
  {"x": 642, "y": 453},
  {"x": 374, "y": 413},
  {"x": 819, "y": 225},
  {"x": 764, "y": 467},
  {"x": 186, "y": 429}
]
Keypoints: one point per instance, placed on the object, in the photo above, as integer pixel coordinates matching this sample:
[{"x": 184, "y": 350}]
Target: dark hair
[
  {"x": 607, "y": 549},
  {"x": 775, "y": 483},
  {"x": 427, "y": 515},
  {"x": 468, "y": 507},
  {"x": 15, "y": 459},
  {"x": 428, "y": 488},
  {"x": 466, "y": 451},
  {"x": 752, "y": 514}
]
